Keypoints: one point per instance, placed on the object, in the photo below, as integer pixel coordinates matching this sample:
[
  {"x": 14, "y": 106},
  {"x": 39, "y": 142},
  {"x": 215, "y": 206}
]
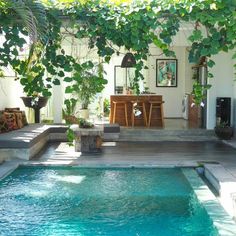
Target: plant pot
[
  {"x": 84, "y": 113},
  {"x": 224, "y": 132},
  {"x": 29, "y": 102}
]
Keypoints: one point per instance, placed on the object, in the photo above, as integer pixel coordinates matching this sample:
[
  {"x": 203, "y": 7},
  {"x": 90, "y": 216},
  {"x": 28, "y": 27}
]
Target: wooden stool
[
  {"x": 124, "y": 103},
  {"x": 141, "y": 105},
  {"x": 156, "y": 105}
]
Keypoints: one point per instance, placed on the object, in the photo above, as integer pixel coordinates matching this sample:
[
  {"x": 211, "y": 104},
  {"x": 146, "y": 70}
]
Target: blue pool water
[{"x": 89, "y": 202}]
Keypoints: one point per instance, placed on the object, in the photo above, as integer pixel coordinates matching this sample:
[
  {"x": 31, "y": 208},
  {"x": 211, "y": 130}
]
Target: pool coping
[{"x": 221, "y": 220}]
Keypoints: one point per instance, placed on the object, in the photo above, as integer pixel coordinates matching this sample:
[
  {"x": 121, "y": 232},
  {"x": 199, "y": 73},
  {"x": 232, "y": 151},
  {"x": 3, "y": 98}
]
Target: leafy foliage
[
  {"x": 86, "y": 83},
  {"x": 112, "y": 25},
  {"x": 45, "y": 55},
  {"x": 135, "y": 25}
]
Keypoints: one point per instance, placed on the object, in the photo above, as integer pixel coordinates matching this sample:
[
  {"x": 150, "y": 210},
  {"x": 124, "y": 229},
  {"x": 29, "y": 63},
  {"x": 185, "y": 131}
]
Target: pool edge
[{"x": 221, "y": 220}]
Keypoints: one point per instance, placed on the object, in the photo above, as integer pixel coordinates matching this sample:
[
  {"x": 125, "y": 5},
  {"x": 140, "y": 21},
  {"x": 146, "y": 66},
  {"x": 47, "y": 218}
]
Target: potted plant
[
  {"x": 224, "y": 131},
  {"x": 31, "y": 75},
  {"x": 68, "y": 112},
  {"x": 87, "y": 82}
]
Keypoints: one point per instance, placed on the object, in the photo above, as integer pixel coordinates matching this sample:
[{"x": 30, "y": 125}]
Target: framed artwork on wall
[{"x": 166, "y": 72}]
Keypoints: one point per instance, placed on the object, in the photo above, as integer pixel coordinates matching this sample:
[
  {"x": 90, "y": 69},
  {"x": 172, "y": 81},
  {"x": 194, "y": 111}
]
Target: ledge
[
  {"x": 25, "y": 143},
  {"x": 28, "y": 141},
  {"x": 225, "y": 184}
]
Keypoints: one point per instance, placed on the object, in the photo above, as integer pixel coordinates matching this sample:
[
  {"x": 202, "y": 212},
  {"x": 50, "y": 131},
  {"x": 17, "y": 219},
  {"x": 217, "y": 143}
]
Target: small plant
[
  {"x": 70, "y": 136},
  {"x": 223, "y": 124},
  {"x": 83, "y": 123},
  {"x": 69, "y": 107},
  {"x": 106, "y": 107},
  {"x": 68, "y": 113},
  {"x": 223, "y": 130}
]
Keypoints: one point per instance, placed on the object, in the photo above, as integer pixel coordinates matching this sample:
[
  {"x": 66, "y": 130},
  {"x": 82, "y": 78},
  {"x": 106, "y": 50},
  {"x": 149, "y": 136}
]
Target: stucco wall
[
  {"x": 223, "y": 85},
  {"x": 171, "y": 95},
  {"x": 10, "y": 93}
]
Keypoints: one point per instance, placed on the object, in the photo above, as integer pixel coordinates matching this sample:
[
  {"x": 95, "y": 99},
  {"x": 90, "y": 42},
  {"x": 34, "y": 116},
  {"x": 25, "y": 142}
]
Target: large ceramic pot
[
  {"x": 36, "y": 105},
  {"x": 224, "y": 132}
]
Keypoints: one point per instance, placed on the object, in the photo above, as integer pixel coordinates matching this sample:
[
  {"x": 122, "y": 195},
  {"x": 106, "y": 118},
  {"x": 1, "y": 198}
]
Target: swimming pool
[{"x": 101, "y": 201}]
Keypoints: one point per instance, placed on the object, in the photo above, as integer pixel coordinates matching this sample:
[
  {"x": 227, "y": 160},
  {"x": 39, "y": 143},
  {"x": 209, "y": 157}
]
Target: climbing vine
[
  {"x": 134, "y": 26},
  {"x": 114, "y": 25}
]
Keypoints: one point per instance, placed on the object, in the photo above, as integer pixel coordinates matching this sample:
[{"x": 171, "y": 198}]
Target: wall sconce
[{"x": 128, "y": 60}]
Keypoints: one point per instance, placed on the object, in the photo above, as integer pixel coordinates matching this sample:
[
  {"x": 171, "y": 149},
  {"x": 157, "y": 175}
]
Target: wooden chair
[
  {"x": 141, "y": 105},
  {"x": 124, "y": 104},
  {"x": 159, "y": 106}
]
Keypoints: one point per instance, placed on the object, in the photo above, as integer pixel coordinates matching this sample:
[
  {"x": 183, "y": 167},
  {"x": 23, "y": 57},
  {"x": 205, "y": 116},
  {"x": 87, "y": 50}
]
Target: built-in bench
[{"x": 27, "y": 142}]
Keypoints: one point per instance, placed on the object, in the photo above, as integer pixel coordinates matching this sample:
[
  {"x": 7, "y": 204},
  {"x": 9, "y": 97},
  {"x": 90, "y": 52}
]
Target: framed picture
[{"x": 166, "y": 72}]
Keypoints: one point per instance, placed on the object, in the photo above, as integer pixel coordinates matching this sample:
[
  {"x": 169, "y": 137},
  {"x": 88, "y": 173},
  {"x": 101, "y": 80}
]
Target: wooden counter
[{"x": 139, "y": 121}]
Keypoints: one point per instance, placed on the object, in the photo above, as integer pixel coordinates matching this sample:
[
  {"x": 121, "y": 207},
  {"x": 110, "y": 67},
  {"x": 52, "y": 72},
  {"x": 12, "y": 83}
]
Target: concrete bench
[{"x": 27, "y": 142}]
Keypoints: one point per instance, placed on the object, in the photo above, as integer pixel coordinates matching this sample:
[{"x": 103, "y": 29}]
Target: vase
[{"x": 36, "y": 105}]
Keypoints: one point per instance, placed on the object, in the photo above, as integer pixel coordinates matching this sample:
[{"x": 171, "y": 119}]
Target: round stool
[
  {"x": 136, "y": 104},
  {"x": 124, "y": 103},
  {"x": 159, "y": 106}
]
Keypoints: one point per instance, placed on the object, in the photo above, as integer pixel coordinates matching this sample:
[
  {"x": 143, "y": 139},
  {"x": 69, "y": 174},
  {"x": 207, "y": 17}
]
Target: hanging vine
[{"x": 133, "y": 25}]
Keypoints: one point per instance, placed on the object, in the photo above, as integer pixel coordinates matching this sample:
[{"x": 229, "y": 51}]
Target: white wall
[
  {"x": 171, "y": 95},
  {"x": 222, "y": 85},
  {"x": 10, "y": 93},
  {"x": 234, "y": 100},
  {"x": 188, "y": 74}
]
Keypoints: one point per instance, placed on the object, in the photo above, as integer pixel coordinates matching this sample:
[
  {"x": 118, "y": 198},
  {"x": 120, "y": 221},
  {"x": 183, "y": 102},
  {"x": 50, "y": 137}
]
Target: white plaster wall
[
  {"x": 222, "y": 85},
  {"x": 188, "y": 74},
  {"x": 234, "y": 100},
  {"x": 110, "y": 75},
  {"x": 10, "y": 93},
  {"x": 172, "y": 96}
]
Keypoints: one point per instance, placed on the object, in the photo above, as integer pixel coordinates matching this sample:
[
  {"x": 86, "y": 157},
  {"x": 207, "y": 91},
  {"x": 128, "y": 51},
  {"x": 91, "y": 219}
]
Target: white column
[{"x": 57, "y": 103}]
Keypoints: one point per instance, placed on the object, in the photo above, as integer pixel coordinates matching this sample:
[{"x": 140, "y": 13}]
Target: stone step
[{"x": 137, "y": 134}]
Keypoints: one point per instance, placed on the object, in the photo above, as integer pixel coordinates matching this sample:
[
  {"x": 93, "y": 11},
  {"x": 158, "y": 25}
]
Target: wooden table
[{"x": 156, "y": 119}]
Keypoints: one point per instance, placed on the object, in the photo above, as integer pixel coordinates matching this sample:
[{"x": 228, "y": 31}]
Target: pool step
[
  {"x": 138, "y": 134},
  {"x": 225, "y": 184}
]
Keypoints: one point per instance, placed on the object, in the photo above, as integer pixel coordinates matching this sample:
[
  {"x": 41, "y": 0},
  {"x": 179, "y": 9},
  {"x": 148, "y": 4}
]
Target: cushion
[
  {"x": 24, "y": 119},
  {"x": 12, "y": 109},
  {"x": 3, "y": 123},
  {"x": 17, "y": 110},
  {"x": 19, "y": 122},
  {"x": 10, "y": 120}
]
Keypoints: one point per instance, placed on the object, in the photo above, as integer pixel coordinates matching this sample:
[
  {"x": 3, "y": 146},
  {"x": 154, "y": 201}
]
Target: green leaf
[
  {"x": 69, "y": 89},
  {"x": 210, "y": 63},
  {"x": 61, "y": 74},
  {"x": 68, "y": 79},
  {"x": 56, "y": 82},
  {"x": 210, "y": 75}
]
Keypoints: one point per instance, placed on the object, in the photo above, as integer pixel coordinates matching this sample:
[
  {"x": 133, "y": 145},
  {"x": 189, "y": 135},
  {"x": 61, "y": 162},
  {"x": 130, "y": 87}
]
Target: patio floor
[{"x": 143, "y": 153}]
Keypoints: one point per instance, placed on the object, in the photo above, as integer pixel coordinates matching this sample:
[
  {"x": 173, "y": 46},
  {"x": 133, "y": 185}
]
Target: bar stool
[
  {"x": 115, "y": 103},
  {"x": 136, "y": 104},
  {"x": 159, "y": 106}
]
